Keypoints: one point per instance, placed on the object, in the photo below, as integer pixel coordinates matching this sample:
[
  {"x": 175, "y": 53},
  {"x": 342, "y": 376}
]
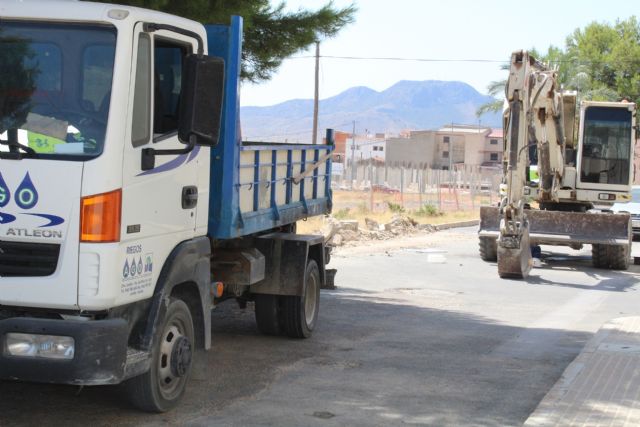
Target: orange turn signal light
[
  {"x": 100, "y": 217},
  {"x": 220, "y": 289},
  {"x": 217, "y": 289}
]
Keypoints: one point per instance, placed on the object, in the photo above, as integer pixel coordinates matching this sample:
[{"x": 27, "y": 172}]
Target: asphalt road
[{"x": 421, "y": 336}]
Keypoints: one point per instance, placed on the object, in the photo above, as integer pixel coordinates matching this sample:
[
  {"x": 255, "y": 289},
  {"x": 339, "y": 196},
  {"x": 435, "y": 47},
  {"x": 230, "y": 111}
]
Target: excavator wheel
[
  {"x": 488, "y": 249},
  {"x": 614, "y": 257}
]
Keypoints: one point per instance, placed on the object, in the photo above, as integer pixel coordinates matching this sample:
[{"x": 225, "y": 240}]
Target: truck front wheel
[
  {"x": 162, "y": 387},
  {"x": 300, "y": 313}
]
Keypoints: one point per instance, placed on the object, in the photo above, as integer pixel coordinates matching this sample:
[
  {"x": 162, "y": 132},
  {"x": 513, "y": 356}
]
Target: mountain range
[{"x": 407, "y": 105}]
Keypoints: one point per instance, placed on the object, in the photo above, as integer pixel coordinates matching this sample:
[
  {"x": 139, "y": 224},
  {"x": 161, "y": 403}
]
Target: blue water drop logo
[
  {"x": 26, "y": 194},
  {"x": 132, "y": 267},
  {"x": 5, "y": 194},
  {"x": 125, "y": 270}
]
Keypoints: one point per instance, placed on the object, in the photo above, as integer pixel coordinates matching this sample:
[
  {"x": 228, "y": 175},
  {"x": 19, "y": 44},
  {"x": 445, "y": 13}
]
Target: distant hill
[{"x": 415, "y": 105}]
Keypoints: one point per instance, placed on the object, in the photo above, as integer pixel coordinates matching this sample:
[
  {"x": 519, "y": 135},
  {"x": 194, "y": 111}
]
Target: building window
[
  {"x": 445, "y": 139},
  {"x": 494, "y": 157},
  {"x": 375, "y": 148},
  {"x": 494, "y": 142},
  {"x": 445, "y": 154},
  {"x": 380, "y": 148}
]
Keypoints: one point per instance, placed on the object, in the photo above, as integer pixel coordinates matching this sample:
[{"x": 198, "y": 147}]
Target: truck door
[{"x": 158, "y": 209}]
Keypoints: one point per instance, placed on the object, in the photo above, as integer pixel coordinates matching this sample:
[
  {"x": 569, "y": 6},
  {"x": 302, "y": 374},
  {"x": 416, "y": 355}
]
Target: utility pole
[
  {"x": 371, "y": 181},
  {"x": 451, "y": 157},
  {"x": 353, "y": 154},
  {"x": 314, "y": 139}
]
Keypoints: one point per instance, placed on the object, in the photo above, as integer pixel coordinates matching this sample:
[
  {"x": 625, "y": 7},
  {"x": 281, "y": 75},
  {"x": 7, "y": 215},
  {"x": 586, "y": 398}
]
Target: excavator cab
[{"x": 606, "y": 146}]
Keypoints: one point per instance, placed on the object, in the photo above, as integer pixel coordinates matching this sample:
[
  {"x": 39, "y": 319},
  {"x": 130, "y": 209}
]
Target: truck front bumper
[{"x": 99, "y": 356}]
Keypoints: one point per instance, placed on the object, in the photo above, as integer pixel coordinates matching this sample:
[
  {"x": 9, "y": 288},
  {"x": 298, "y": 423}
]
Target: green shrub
[
  {"x": 428, "y": 210},
  {"x": 342, "y": 213},
  {"x": 395, "y": 207}
]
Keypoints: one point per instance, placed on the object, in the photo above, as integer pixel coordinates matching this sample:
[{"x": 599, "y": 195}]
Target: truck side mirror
[{"x": 201, "y": 100}]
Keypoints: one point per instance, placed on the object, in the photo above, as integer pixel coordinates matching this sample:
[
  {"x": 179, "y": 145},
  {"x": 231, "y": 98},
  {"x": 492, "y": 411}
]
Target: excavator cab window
[{"x": 606, "y": 145}]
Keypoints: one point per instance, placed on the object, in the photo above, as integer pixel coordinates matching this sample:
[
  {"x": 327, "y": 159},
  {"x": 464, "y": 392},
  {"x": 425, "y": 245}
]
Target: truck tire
[
  {"x": 300, "y": 313},
  {"x": 162, "y": 387},
  {"x": 614, "y": 257},
  {"x": 488, "y": 249},
  {"x": 268, "y": 314}
]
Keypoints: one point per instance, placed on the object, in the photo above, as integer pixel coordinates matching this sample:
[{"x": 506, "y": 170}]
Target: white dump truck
[{"x": 129, "y": 206}]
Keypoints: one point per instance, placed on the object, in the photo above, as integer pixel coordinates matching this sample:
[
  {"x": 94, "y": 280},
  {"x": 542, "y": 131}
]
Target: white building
[{"x": 365, "y": 148}]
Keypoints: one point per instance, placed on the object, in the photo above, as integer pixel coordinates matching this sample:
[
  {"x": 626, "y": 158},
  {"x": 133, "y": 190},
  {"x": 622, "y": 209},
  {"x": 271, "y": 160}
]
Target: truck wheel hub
[{"x": 181, "y": 356}]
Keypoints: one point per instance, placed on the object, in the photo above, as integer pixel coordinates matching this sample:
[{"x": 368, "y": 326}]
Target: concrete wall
[
  {"x": 446, "y": 147},
  {"x": 419, "y": 150}
]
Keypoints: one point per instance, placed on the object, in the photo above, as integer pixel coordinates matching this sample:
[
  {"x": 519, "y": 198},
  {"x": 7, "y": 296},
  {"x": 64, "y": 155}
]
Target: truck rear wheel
[
  {"x": 268, "y": 314},
  {"x": 614, "y": 257},
  {"x": 488, "y": 249},
  {"x": 162, "y": 387},
  {"x": 300, "y": 313}
]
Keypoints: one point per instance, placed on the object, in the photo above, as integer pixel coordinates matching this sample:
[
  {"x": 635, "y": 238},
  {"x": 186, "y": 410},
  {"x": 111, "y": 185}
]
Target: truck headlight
[{"x": 40, "y": 346}]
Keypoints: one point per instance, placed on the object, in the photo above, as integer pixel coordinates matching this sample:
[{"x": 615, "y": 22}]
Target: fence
[{"x": 461, "y": 189}]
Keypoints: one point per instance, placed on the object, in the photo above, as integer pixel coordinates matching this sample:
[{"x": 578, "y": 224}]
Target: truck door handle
[{"x": 189, "y": 197}]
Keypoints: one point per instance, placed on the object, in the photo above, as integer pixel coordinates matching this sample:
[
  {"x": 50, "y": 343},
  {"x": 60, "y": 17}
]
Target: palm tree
[{"x": 494, "y": 89}]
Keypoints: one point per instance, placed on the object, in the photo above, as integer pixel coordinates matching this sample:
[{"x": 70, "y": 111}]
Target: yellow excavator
[{"x": 583, "y": 164}]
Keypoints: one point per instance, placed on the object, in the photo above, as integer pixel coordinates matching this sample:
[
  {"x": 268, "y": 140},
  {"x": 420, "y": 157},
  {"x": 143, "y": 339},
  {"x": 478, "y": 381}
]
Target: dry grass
[{"x": 356, "y": 205}]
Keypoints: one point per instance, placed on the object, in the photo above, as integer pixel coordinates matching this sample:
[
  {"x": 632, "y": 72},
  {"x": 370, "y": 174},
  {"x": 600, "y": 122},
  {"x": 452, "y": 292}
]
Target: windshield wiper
[{"x": 15, "y": 146}]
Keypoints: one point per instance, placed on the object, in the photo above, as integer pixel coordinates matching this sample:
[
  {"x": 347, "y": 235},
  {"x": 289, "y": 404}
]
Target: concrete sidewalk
[{"x": 601, "y": 387}]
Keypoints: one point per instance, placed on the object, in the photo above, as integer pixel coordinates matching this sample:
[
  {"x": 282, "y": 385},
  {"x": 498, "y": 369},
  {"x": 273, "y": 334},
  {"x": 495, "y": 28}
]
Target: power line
[
  {"x": 477, "y": 60},
  {"x": 391, "y": 58}
]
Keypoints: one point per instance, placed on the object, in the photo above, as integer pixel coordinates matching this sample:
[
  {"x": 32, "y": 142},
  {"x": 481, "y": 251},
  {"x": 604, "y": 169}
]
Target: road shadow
[
  {"x": 607, "y": 280},
  {"x": 371, "y": 361}
]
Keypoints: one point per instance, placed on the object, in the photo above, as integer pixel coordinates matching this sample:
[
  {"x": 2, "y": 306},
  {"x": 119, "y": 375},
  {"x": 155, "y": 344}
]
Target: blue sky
[{"x": 453, "y": 29}]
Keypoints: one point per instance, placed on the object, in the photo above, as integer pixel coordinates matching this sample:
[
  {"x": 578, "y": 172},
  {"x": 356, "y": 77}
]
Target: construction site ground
[{"x": 419, "y": 331}]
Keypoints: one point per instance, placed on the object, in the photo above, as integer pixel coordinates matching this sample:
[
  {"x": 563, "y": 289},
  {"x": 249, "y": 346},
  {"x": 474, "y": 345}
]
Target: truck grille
[{"x": 28, "y": 259}]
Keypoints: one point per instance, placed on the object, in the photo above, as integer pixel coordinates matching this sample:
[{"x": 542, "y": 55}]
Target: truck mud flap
[{"x": 564, "y": 228}]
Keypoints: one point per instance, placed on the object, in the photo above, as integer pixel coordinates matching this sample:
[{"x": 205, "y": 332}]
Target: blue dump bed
[{"x": 259, "y": 186}]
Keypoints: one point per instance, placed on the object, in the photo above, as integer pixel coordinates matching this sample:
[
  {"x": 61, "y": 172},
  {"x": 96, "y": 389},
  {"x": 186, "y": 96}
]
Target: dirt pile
[{"x": 340, "y": 233}]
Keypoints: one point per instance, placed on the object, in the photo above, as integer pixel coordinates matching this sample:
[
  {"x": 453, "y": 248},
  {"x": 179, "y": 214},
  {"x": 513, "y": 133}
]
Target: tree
[
  {"x": 495, "y": 89},
  {"x": 605, "y": 60},
  {"x": 601, "y": 62},
  {"x": 271, "y": 34}
]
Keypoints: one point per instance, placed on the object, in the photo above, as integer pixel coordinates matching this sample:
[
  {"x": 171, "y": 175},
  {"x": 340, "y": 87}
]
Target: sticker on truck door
[{"x": 137, "y": 271}]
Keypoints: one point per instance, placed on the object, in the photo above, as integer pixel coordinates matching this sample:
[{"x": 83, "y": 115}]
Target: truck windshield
[
  {"x": 606, "y": 145},
  {"x": 55, "y": 88}
]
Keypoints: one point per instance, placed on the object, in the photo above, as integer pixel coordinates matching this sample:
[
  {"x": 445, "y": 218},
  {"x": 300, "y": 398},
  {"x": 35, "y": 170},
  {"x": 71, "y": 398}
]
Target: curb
[{"x": 449, "y": 225}]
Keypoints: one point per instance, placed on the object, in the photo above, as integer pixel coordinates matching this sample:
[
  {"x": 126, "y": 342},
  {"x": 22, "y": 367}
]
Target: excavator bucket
[
  {"x": 514, "y": 256},
  {"x": 565, "y": 228}
]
